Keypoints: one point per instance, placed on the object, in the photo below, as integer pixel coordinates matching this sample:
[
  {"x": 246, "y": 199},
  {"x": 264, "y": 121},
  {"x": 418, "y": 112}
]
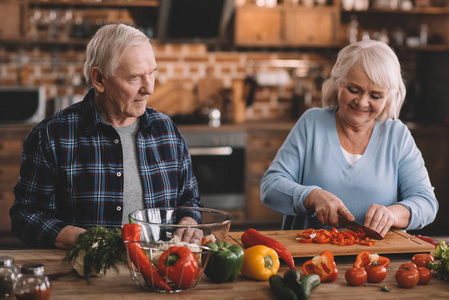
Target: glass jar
[
  {"x": 8, "y": 276},
  {"x": 32, "y": 284}
]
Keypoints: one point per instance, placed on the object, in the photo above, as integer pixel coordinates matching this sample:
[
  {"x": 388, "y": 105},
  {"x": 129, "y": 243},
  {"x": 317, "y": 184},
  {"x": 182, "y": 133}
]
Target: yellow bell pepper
[{"x": 260, "y": 262}]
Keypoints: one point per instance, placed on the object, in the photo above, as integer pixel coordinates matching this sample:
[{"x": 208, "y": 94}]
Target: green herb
[
  {"x": 102, "y": 248},
  {"x": 441, "y": 267},
  {"x": 383, "y": 288}
]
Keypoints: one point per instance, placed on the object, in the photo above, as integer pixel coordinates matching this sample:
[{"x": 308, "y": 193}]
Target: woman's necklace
[{"x": 355, "y": 143}]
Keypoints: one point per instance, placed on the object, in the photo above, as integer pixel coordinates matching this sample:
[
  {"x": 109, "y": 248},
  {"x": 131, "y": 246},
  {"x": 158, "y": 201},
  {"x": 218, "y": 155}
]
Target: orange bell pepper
[{"x": 323, "y": 265}]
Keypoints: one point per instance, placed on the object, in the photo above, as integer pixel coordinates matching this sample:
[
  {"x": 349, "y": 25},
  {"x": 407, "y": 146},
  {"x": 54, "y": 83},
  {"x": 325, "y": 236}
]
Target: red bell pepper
[
  {"x": 131, "y": 237},
  {"x": 323, "y": 265},
  {"x": 428, "y": 240},
  {"x": 179, "y": 264},
  {"x": 365, "y": 258},
  {"x": 252, "y": 237}
]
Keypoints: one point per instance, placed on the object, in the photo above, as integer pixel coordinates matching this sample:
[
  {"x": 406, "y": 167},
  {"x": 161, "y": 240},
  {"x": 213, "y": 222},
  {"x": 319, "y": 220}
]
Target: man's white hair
[{"x": 107, "y": 46}]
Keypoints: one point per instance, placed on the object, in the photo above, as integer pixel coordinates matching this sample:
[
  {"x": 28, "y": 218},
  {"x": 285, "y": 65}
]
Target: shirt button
[
  {"x": 118, "y": 174},
  {"x": 119, "y": 208},
  {"x": 116, "y": 141}
]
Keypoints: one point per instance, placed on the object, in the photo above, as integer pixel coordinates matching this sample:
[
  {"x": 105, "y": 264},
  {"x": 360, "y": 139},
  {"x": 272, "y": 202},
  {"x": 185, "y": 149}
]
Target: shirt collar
[{"x": 93, "y": 117}]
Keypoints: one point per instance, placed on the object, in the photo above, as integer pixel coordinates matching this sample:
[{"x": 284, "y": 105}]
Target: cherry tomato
[
  {"x": 424, "y": 275},
  {"x": 409, "y": 265},
  {"x": 376, "y": 272},
  {"x": 407, "y": 277},
  {"x": 356, "y": 276},
  {"x": 422, "y": 260}
]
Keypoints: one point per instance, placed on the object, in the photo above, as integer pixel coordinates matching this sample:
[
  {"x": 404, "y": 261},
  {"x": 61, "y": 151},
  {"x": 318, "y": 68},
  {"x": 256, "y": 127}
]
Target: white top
[{"x": 351, "y": 158}]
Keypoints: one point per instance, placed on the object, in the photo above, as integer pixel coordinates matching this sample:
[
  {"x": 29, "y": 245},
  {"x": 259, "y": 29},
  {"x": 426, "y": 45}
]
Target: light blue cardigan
[{"x": 390, "y": 171}]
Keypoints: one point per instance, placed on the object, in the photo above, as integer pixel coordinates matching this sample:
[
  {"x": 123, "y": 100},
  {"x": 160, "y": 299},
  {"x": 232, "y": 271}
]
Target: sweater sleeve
[
  {"x": 416, "y": 191},
  {"x": 281, "y": 188}
]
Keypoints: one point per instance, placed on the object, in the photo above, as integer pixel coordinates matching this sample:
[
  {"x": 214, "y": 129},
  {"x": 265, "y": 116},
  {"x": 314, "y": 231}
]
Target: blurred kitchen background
[{"x": 233, "y": 74}]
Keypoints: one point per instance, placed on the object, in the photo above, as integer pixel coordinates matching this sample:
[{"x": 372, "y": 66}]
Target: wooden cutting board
[{"x": 396, "y": 241}]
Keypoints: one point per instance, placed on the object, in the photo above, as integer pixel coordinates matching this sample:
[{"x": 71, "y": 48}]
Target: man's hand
[
  {"x": 67, "y": 236},
  {"x": 327, "y": 207},
  {"x": 189, "y": 235}
]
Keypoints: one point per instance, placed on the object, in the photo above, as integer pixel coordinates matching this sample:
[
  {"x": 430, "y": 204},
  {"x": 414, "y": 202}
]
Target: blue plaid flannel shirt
[{"x": 72, "y": 172}]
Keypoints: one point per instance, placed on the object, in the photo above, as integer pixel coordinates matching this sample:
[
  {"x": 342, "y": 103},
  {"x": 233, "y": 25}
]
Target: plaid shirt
[{"x": 72, "y": 172}]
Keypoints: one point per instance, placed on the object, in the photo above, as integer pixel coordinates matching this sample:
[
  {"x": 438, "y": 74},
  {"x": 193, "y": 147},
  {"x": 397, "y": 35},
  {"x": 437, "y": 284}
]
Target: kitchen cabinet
[
  {"x": 418, "y": 28},
  {"x": 263, "y": 142},
  {"x": 301, "y": 26},
  {"x": 59, "y": 22},
  {"x": 11, "y": 140},
  {"x": 286, "y": 26},
  {"x": 258, "y": 26}
]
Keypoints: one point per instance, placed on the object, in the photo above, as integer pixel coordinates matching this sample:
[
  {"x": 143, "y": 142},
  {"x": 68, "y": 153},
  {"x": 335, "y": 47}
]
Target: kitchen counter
[{"x": 67, "y": 285}]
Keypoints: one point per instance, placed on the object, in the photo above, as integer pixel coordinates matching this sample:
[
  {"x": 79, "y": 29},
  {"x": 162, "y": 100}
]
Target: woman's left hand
[{"x": 379, "y": 218}]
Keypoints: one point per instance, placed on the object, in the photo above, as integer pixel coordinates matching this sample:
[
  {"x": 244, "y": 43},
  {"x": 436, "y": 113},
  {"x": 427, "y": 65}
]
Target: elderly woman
[{"x": 353, "y": 158}]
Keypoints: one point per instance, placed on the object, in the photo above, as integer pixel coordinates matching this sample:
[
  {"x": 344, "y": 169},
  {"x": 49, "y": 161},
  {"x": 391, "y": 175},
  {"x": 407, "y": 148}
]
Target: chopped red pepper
[
  {"x": 342, "y": 238},
  {"x": 367, "y": 242},
  {"x": 304, "y": 238},
  {"x": 323, "y": 265}
]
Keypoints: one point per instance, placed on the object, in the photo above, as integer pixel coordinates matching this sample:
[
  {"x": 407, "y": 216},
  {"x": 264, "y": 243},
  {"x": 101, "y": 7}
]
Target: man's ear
[{"x": 97, "y": 79}]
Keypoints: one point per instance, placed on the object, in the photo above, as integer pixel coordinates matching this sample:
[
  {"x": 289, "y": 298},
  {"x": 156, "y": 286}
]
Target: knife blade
[{"x": 354, "y": 226}]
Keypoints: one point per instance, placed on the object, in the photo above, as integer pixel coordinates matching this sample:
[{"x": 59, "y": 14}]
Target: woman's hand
[
  {"x": 379, "y": 218},
  {"x": 189, "y": 235},
  {"x": 327, "y": 207}
]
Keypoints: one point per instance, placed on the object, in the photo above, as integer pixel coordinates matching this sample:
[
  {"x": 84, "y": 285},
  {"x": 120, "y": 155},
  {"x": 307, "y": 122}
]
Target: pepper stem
[
  {"x": 172, "y": 259},
  {"x": 268, "y": 262}
]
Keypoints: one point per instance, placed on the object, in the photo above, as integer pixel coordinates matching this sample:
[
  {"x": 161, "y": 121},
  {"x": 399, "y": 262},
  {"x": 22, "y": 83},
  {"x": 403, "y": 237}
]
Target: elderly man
[{"x": 96, "y": 161}]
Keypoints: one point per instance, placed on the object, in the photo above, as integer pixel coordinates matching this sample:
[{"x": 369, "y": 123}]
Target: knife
[{"x": 354, "y": 226}]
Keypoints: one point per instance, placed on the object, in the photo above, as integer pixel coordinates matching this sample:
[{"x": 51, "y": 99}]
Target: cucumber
[
  {"x": 308, "y": 283},
  {"x": 280, "y": 288},
  {"x": 292, "y": 279}
]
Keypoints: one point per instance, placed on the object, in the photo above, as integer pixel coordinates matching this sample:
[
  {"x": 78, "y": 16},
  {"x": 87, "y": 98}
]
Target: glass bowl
[{"x": 174, "y": 256}]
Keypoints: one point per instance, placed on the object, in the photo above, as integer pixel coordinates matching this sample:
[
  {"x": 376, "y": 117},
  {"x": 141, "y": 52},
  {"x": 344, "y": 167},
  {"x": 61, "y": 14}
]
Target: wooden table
[{"x": 120, "y": 286}]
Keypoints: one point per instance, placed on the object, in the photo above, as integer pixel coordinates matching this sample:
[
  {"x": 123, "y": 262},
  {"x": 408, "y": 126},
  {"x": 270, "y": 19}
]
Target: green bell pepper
[{"x": 225, "y": 262}]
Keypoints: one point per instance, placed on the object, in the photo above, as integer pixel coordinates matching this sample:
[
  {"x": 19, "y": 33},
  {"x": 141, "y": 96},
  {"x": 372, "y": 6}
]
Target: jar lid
[
  {"x": 6, "y": 261},
  {"x": 33, "y": 268}
]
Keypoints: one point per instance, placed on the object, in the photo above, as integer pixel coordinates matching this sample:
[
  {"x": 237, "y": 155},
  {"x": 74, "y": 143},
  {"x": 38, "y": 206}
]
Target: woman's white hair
[
  {"x": 107, "y": 46},
  {"x": 382, "y": 67}
]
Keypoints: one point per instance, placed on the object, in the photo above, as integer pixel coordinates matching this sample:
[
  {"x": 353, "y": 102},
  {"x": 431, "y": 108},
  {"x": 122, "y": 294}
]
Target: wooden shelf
[
  {"x": 111, "y": 3},
  {"x": 414, "y": 11},
  {"x": 25, "y": 41}
]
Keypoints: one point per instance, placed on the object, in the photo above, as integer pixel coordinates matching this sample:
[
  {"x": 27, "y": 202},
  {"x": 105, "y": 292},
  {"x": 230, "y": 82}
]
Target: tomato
[
  {"x": 406, "y": 276},
  {"x": 422, "y": 260},
  {"x": 408, "y": 265},
  {"x": 424, "y": 275},
  {"x": 376, "y": 272},
  {"x": 356, "y": 276}
]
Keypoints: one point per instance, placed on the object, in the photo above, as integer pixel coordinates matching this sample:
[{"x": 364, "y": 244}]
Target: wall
[{"x": 181, "y": 67}]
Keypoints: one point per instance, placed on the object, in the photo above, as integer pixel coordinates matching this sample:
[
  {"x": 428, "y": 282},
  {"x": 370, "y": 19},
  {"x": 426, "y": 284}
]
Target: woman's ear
[{"x": 97, "y": 79}]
